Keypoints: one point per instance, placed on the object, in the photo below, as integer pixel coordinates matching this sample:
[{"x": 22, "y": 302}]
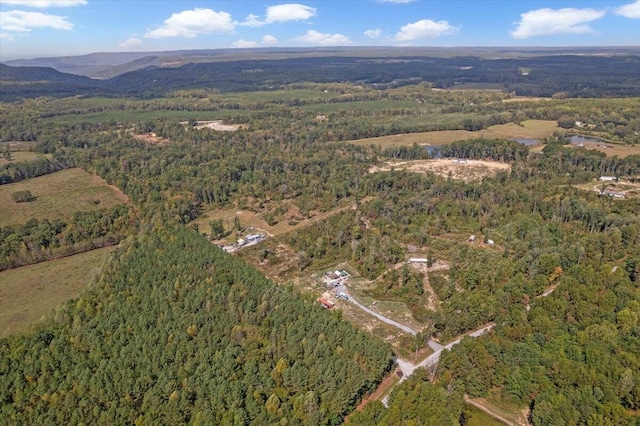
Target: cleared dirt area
[
  {"x": 529, "y": 129},
  {"x": 509, "y": 417},
  {"x": 152, "y": 139},
  {"x": 465, "y": 170},
  {"x": 215, "y": 125},
  {"x": 525, "y": 99},
  {"x": 29, "y": 292},
  {"x": 58, "y": 196}
]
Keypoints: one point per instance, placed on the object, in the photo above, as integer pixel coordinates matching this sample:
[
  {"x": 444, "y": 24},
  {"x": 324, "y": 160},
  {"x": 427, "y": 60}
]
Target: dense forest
[{"x": 176, "y": 331}]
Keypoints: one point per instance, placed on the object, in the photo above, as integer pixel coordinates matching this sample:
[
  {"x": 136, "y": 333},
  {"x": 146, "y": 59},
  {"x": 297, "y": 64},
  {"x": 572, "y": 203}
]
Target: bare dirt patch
[
  {"x": 629, "y": 189},
  {"x": 465, "y": 170},
  {"x": 215, "y": 125},
  {"x": 508, "y": 417},
  {"x": 383, "y": 388},
  {"x": 525, "y": 99},
  {"x": 152, "y": 139}
]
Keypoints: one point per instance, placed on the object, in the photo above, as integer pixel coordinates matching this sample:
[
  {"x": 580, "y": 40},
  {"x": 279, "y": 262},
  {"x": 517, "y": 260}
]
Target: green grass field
[
  {"x": 30, "y": 292},
  {"x": 57, "y": 196}
]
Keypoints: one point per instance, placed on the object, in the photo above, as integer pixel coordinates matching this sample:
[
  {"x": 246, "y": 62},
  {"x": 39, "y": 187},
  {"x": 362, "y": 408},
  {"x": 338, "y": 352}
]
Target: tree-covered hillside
[{"x": 177, "y": 331}]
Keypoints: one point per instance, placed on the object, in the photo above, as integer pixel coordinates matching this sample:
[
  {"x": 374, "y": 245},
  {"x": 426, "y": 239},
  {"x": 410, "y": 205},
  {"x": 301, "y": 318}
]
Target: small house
[
  {"x": 327, "y": 304},
  {"x": 418, "y": 260},
  {"x": 607, "y": 178},
  {"x": 472, "y": 238},
  {"x": 254, "y": 237}
]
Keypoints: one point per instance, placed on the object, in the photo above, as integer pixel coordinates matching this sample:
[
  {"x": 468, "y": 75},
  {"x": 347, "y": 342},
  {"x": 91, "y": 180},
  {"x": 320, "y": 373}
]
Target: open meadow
[
  {"x": 57, "y": 196},
  {"x": 529, "y": 129},
  {"x": 30, "y": 292}
]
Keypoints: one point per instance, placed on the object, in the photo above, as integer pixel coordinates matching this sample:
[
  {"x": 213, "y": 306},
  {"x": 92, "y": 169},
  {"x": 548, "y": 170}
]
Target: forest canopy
[{"x": 177, "y": 331}]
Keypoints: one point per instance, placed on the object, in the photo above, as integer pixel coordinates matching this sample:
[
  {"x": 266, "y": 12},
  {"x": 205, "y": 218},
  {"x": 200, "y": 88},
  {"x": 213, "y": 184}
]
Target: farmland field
[
  {"x": 28, "y": 293},
  {"x": 530, "y": 129},
  {"x": 58, "y": 195}
]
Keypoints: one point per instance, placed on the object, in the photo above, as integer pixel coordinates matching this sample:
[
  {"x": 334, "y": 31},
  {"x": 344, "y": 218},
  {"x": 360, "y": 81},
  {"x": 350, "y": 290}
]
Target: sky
[{"x": 44, "y": 28}]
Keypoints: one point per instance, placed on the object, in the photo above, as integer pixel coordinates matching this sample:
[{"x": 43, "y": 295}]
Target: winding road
[{"x": 407, "y": 367}]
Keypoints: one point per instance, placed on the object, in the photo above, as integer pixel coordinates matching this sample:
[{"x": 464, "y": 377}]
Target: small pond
[
  {"x": 527, "y": 142},
  {"x": 578, "y": 139}
]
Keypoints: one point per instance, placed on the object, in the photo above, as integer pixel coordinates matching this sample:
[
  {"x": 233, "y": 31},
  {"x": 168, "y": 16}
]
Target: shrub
[{"x": 22, "y": 196}]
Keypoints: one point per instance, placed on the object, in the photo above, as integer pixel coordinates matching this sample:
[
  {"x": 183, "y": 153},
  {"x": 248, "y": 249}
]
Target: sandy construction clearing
[
  {"x": 215, "y": 125},
  {"x": 466, "y": 170},
  {"x": 152, "y": 139}
]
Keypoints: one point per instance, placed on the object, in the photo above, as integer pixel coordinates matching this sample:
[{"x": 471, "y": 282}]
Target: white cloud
[
  {"x": 243, "y": 44},
  {"x": 190, "y": 23},
  {"x": 321, "y": 39},
  {"x": 546, "y": 21},
  {"x": 44, "y": 4},
  {"x": 21, "y": 21},
  {"x": 253, "y": 21},
  {"x": 629, "y": 10},
  {"x": 281, "y": 13},
  {"x": 373, "y": 33},
  {"x": 6, "y": 36},
  {"x": 289, "y": 12},
  {"x": 269, "y": 40},
  {"x": 131, "y": 43},
  {"x": 425, "y": 28}
]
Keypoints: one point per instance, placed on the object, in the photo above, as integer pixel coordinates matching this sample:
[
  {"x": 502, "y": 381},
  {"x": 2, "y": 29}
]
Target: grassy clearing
[
  {"x": 291, "y": 221},
  {"x": 18, "y": 156},
  {"x": 57, "y": 196},
  {"x": 611, "y": 149},
  {"x": 530, "y": 129},
  {"x": 30, "y": 292}
]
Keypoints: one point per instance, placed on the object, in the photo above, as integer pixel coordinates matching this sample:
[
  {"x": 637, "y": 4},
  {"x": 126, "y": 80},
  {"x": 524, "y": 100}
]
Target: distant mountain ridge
[
  {"x": 585, "y": 72},
  {"x": 105, "y": 65}
]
